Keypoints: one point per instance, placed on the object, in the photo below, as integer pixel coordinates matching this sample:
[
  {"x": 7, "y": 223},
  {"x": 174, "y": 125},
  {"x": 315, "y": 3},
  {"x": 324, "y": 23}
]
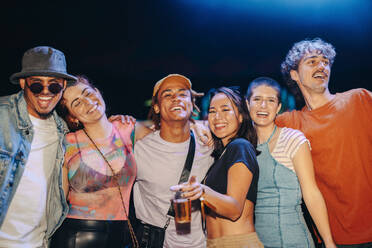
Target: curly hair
[
  {"x": 71, "y": 121},
  {"x": 246, "y": 129},
  {"x": 295, "y": 55}
]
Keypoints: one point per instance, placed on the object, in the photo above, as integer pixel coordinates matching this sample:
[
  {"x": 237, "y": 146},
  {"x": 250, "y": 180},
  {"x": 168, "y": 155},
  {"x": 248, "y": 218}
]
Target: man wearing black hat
[{"x": 32, "y": 202}]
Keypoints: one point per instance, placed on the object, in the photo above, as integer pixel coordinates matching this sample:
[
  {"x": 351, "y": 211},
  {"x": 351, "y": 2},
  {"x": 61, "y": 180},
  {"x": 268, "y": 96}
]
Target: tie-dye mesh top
[{"x": 93, "y": 192}]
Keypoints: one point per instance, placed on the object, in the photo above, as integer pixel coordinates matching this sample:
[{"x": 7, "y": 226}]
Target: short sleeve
[
  {"x": 295, "y": 141},
  {"x": 241, "y": 151}
]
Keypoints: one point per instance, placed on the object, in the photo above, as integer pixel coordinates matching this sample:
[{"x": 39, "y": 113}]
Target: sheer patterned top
[{"x": 93, "y": 191}]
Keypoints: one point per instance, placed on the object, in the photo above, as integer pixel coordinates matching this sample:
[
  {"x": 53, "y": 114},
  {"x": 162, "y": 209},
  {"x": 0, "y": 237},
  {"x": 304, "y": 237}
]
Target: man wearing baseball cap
[
  {"x": 160, "y": 158},
  {"x": 32, "y": 202}
]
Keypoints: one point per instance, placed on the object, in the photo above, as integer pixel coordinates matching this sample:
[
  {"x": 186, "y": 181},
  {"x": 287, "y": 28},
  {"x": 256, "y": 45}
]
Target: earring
[{"x": 76, "y": 123}]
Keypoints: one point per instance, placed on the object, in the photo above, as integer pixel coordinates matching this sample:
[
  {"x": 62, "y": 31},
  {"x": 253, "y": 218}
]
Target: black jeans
[{"x": 77, "y": 233}]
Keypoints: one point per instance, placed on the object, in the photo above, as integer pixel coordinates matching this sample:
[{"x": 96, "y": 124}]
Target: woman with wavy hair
[{"x": 98, "y": 172}]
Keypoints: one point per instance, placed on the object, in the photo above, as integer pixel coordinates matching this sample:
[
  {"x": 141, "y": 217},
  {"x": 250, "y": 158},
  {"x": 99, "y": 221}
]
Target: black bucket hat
[{"x": 43, "y": 61}]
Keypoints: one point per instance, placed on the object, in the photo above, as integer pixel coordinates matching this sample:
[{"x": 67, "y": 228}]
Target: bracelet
[{"x": 203, "y": 201}]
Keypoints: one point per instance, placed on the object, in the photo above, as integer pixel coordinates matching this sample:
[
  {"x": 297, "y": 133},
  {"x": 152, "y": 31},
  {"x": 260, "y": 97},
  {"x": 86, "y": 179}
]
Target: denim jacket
[{"x": 16, "y": 134}]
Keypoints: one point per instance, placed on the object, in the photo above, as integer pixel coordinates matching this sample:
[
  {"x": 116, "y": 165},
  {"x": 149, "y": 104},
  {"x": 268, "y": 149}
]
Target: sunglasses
[{"x": 37, "y": 88}]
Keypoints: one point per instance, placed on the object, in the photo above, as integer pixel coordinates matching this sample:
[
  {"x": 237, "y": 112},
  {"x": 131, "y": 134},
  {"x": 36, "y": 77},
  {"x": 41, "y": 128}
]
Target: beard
[{"x": 45, "y": 115}]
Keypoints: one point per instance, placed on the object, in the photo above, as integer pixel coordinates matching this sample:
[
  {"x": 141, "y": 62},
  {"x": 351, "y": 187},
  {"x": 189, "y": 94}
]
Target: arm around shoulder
[{"x": 142, "y": 129}]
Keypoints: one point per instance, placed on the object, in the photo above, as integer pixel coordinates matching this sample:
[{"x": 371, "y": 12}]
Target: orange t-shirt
[{"x": 340, "y": 133}]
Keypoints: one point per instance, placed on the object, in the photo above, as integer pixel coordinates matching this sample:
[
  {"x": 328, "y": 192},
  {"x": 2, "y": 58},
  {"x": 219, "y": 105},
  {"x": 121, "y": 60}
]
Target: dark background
[{"x": 126, "y": 46}]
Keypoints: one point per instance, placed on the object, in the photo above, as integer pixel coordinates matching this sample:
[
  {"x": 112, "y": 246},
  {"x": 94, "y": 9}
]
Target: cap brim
[
  {"x": 16, "y": 76},
  {"x": 179, "y": 76}
]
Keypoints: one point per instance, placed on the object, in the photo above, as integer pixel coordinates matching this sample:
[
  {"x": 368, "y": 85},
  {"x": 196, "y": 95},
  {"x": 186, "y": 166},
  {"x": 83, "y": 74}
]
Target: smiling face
[
  {"x": 263, "y": 105},
  {"x": 223, "y": 117},
  {"x": 41, "y": 104},
  {"x": 313, "y": 73},
  {"x": 84, "y": 103},
  {"x": 173, "y": 101}
]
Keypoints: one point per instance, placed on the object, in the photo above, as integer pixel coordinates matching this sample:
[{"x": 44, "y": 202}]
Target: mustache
[{"x": 322, "y": 72}]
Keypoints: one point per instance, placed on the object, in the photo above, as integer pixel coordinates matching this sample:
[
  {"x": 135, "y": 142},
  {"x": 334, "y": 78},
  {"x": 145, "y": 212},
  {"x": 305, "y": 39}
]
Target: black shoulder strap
[{"x": 187, "y": 167}]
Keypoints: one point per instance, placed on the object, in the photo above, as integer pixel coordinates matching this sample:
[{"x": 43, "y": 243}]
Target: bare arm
[
  {"x": 313, "y": 198},
  {"x": 142, "y": 129},
  {"x": 231, "y": 204}
]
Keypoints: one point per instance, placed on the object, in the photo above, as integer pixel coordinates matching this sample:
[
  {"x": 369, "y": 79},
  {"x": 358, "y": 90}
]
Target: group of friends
[{"x": 70, "y": 177}]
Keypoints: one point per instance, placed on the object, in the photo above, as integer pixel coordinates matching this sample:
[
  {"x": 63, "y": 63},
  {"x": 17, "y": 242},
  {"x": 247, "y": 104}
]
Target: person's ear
[
  {"x": 22, "y": 82},
  {"x": 73, "y": 120},
  {"x": 156, "y": 109},
  {"x": 278, "y": 109},
  {"x": 295, "y": 76}
]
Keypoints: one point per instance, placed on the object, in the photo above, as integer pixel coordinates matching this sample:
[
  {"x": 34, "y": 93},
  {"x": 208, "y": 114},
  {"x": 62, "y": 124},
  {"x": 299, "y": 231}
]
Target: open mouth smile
[
  {"x": 176, "y": 108},
  {"x": 219, "y": 126},
  {"x": 262, "y": 114},
  {"x": 44, "y": 100},
  {"x": 93, "y": 108},
  {"x": 321, "y": 75}
]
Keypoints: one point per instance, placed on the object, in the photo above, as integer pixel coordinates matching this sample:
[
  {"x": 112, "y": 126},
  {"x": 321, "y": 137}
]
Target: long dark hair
[{"x": 245, "y": 130}]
